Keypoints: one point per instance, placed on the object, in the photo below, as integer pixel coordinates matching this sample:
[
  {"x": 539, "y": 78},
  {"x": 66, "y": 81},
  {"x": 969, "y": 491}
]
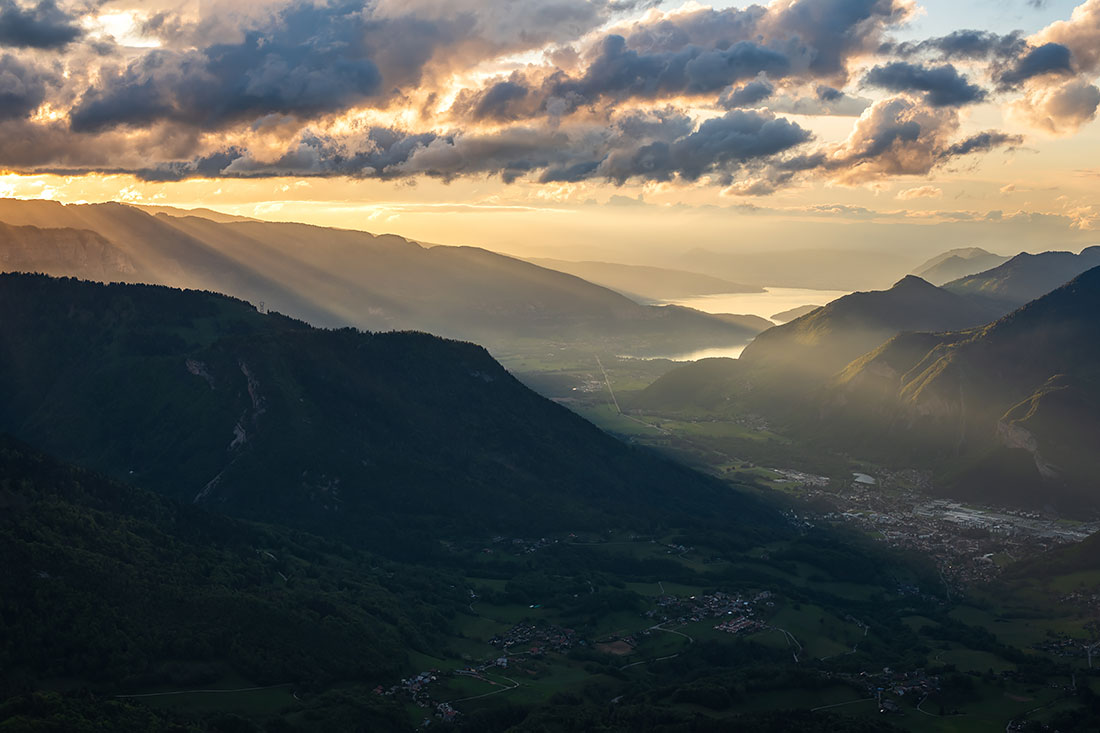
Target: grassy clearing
[
  {"x": 606, "y": 417},
  {"x": 916, "y": 623},
  {"x": 970, "y": 660}
]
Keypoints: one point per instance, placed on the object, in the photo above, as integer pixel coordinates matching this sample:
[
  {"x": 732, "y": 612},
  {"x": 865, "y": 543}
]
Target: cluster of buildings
[
  {"x": 518, "y": 545},
  {"x": 537, "y": 639},
  {"x": 739, "y": 625},
  {"x": 699, "y": 608},
  {"x": 890, "y": 686},
  {"x": 1064, "y": 645},
  {"x": 799, "y": 477},
  {"x": 1084, "y": 601},
  {"x": 415, "y": 687},
  {"x": 444, "y": 712},
  {"x": 964, "y": 541}
]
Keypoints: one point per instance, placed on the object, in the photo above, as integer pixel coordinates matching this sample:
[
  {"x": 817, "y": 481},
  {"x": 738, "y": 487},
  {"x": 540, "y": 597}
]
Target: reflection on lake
[
  {"x": 730, "y": 352},
  {"x": 765, "y": 305}
]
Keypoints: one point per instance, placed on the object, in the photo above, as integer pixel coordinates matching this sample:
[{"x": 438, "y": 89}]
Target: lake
[{"x": 765, "y": 305}]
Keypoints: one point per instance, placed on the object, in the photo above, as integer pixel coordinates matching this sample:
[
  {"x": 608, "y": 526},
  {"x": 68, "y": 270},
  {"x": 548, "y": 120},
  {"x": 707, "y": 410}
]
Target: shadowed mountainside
[
  {"x": 1005, "y": 413},
  {"x": 141, "y": 591},
  {"x": 1010, "y": 410},
  {"x": 384, "y": 439}
]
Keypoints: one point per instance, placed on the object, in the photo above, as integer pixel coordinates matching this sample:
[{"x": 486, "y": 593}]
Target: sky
[{"x": 585, "y": 129}]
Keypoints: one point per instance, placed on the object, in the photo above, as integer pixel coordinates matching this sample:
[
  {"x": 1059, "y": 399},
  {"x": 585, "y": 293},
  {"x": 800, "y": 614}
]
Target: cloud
[
  {"x": 981, "y": 143},
  {"x": 652, "y": 147},
  {"x": 500, "y": 101},
  {"x": 898, "y": 137},
  {"x": 22, "y": 88},
  {"x": 308, "y": 62},
  {"x": 920, "y": 192},
  {"x": 509, "y": 25},
  {"x": 963, "y": 44},
  {"x": 616, "y": 73},
  {"x": 747, "y": 95},
  {"x": 1050, "y": 58},
  {"x": 943, "y": 85},
  {"x": 826, "y": 33},
  {"x": 817, "y": 36},
  {"x": 721, "y": 144},
  {"x": 540, "y": 90},
  {"x": 894, "y": 137},
  {"x": 697, "y": 53},
  {"x": 1080, "y": 34},
  {"x": 825, "y": 100},
  {"x": 42, "y": 25},
  {"x": 1060, "y": 109}
]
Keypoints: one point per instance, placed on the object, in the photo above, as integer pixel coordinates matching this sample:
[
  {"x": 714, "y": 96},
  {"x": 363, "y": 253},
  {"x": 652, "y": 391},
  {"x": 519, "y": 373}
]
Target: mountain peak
[{"x": 911, "y": 282}]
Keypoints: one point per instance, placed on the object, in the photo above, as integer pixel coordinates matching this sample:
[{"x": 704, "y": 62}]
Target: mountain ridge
[
  {"x": 1026, "y": 276},
  {"x": 958, "y": 263},
  {"x": 382, "y": 439},
  {"x": 1021, "y": 392},
  {"x": 825, "y": 340},
  {"x": 337, "y": 277}
]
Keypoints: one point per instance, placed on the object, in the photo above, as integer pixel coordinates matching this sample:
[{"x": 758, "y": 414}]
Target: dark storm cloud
[
  {"x": 42, "y": 25},
  {"x": 1050, "y": 58},
  {"x": 313, "y": 62},
  {"x": 310, "y": 61},
  {"x": 816, "y": 35},
  {"x": 943, "y": 85},
  {"x": 828, "y": 32},
  {"x": 982, "y": 142},
  {"x": 698, "y": 53},
  {"x": 721, "y": 144},
  {"x": 253, "y": 90},
  {"x": 660, "y": 146},
  {"x": 748, "y": 95},
  {"x": 22, "y": 88},
  {"x": 620, "y": 72},
  {"x": 495, "y": 102},
  {"x": 617, "y": 73},
  {"x": 964, "y": 44}
]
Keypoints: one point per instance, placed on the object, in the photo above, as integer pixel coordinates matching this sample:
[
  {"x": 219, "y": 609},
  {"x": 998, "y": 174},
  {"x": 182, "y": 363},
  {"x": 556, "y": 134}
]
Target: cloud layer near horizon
[{"x": 551, "y": 91}]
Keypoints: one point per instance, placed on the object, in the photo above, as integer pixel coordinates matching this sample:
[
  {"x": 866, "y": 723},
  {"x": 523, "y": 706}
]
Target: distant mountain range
[
  {"x": 820, "y": 269},
  {"x": 647, "y": 283},
  {"x": 333, "y": 277},
  {"x": 824, "y": 340},
  {"x": 1005, "y": 409},
  {"x": 386, "y": 440},
  {"x": 75, "y": 252},
  {"x": 958, "y": 263},
  {"x": 1011, "y": 411},
  {"x": 1026, "y": 277},
  {"x": 786, "y": 364},
  {"x": 793, "y": 313}
]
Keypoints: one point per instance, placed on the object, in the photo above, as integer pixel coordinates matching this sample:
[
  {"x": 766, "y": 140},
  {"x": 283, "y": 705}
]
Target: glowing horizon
[{"x": 580, "y": 128}]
